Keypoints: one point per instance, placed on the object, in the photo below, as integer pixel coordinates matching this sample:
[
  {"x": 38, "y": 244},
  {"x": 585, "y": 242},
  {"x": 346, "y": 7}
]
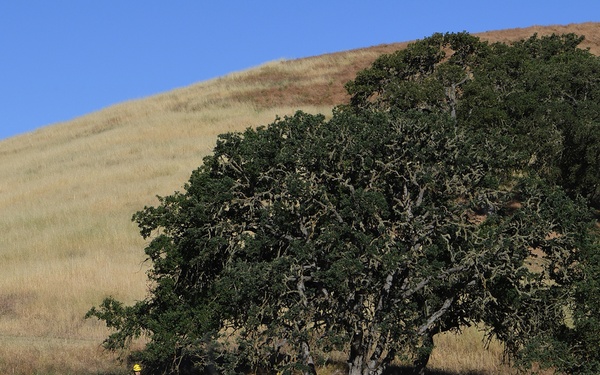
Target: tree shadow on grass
[
  {"x": 341, "y": 369},
  {"x": 408, "y": 370}
]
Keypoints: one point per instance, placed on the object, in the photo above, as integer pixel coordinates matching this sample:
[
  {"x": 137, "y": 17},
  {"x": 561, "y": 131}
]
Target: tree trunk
[
  {"x": 420, "y": 363},
  {"x": 358, "y": 363},
  {"x": 308, "y": 360},
  {"x": 355, "y": 366},
  {"x": 359, "y": 367},
  {"x": 357, "y": 358}
]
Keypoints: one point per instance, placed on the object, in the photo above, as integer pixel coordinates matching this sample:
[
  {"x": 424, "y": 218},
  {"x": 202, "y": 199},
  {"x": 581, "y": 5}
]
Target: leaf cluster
[{"x": 535, "y": 100}]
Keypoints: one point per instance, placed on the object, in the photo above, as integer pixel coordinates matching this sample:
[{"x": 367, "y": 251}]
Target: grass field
[{"x": 68, "y": 191}]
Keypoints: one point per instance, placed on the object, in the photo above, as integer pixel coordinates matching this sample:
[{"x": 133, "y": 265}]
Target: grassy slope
[{"x": 68, "y": 191}]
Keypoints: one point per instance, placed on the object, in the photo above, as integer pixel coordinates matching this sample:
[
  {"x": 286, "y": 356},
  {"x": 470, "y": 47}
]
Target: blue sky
[{"x": 62, "y": 59}]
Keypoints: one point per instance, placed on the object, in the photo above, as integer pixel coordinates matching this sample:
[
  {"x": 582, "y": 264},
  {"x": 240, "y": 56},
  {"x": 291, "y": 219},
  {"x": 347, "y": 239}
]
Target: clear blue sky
[{"x": 60, "y": 59}]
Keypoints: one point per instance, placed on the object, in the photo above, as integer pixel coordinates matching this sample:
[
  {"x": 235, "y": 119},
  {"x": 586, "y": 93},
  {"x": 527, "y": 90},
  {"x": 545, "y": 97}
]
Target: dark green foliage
[
  {"x": 537, "y": 100},
  {"x": 412, "y": 211},
  {"x": 533, "y": 107},
  {"x": 574, "y": 347}
]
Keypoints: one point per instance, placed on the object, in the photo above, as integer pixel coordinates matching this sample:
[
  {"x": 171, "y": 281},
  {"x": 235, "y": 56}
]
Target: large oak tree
[{"x": 421, "y": 207}]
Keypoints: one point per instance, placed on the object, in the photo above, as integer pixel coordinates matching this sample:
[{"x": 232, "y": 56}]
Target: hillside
[{"x": 68, "y": 192}]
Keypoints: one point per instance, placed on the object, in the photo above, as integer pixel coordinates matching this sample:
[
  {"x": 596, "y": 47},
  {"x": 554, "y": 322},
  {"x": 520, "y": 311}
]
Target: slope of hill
[{"x": 68, "y": 191}]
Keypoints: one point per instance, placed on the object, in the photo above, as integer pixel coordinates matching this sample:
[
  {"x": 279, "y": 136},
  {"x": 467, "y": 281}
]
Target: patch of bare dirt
[{"x": 332, "y": 71}]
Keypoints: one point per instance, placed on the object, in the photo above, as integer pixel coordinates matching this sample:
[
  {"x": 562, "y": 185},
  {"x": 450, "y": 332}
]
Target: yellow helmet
[{"x": 137, "y": 367}]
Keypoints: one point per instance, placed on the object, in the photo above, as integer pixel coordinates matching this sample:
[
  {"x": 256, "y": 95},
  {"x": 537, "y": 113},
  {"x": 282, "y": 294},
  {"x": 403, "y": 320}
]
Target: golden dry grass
[{"x": 68, "y": 191}]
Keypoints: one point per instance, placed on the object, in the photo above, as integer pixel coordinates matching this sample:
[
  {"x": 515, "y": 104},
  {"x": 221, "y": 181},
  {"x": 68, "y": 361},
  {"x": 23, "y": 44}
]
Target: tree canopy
[
  {"x": 454, "y": 189},
  {"x": 537, "y": 99}
]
